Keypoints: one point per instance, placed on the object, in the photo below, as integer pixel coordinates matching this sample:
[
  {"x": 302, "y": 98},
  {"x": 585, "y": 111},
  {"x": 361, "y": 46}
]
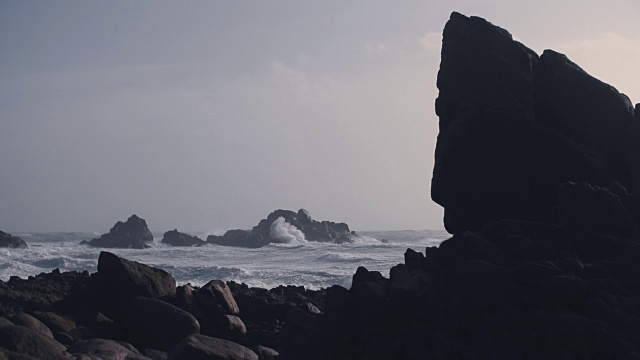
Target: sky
[{"x": 208, "y": 115}]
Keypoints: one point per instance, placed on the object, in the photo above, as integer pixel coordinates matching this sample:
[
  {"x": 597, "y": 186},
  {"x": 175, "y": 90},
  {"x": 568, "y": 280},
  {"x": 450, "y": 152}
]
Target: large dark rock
[
  {"x": 215, "y": 308},
  {"x": 133, "y": 233},
  {"x": 176, "y": 238},
  {"x": 156, "y": 324},
  {"x": 105, "y": 349},
  {"x": 203, "y": 347},
  {"x": 22, "y": 340},
  {"x": 514, "y": 126},
  {"x": 128, "y": 279},
  {"x": 285, "y": 226},
  {"x": 12, "y": 242}
]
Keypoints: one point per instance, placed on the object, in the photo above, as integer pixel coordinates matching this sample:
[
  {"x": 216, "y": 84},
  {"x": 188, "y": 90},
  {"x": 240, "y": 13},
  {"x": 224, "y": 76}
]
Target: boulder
[
  {"x": 176, "y": 238},
  {"x": 12, "y": 242},
  {"x": 32, "y": 323},
  {"x": 133, "y": 233},
  {"x": 265, "y": 353},
  {"x": 153, "y": 323},
  {"x": 130, "y": 278},
  {"x": 196, "y": 347},
  {"x": 217, "y": 296},
  {"x": 105, "y": 349},
  {"x": 28, "y": 342}
]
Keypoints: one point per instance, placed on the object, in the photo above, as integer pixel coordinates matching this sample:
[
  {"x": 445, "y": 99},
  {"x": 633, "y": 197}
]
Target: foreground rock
[
  {"x": 203, "y": 347},
  {"x": 16, "y": 339},
  {"x": 133, "y": 233},
  {"x": 105, "y": 349},
  {"x": 176, "y": 238},
  {"x": 285, "y": 226},
  {"x": 12, "y": 242},
  {"x": 515, "y": 125},
  {"x": 130, "y": 278}
]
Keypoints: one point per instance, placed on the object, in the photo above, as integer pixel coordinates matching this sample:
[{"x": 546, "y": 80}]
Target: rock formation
[
  {"x": 12, "y": 242},
  {"x": 537, "y": 169},
  {"x": 133, "y": 233},
  {"x": 285, "y": 226},
  {"x": 176, "y": 238},
  {"x": 515, "y": 125},
  {"x": 126, "y": 309}
]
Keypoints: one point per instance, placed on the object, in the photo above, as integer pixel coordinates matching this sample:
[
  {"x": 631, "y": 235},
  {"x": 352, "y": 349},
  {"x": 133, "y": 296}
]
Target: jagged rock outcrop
[
  {"x": 176, "y": 238},
  {"x": 537, "y": 168},
  {"x": 285, "y": 226},
  {"x": 515, "y": 125},
  {"x": 134, "y": 233},
  {"x": 12, "y": 242}
]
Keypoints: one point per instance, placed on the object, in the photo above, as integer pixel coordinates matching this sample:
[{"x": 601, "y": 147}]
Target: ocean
[{"x": 310, "y": 264}]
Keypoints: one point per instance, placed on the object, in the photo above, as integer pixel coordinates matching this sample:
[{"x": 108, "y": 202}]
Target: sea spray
[
  {"x": 286, "y": 233},
  {"x": 310, "y": 264}
]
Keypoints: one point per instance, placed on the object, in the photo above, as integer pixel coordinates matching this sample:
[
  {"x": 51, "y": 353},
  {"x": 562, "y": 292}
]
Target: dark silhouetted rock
[
  {"x": 156, "y": 324},
  {"x": 265, "y": 353},
  {"x": 176, "y": 238},
  {"x": 133, "y": 233},
  {"x": 285, "y": 226},
  {"x": 105, "y": 349},
  {"x": 514, "y": 126},
  {"x": 216, "y": 295},
  {"x": 12, "y": 242},
  {"x": 197, "y": 347},
  {"x": 32, "y": 323},
  {"x": 237, "y": 237},
  {"x": 28, "y": 342},
  {"x": 130, "y": 279},
  {"x": 581, "y": 206}
]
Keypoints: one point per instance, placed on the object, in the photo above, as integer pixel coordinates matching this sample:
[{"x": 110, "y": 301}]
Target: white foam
[
  {"x": 286, "y": 233},
  {"x": 298, "y": 262}
]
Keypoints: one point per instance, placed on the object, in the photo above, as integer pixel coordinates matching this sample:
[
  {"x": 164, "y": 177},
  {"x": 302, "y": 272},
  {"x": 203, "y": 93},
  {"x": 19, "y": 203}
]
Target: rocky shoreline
[{"x": 538, "y": 170}]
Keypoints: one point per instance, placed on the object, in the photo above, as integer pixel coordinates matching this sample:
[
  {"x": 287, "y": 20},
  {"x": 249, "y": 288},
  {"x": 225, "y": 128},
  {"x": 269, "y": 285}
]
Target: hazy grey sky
[{"x": 208, "y": 115}]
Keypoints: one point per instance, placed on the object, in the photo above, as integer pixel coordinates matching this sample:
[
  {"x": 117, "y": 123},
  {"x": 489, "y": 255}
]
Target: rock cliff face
[
  {"x": 283, "y": 226},
  {"x": 13, "y": 242},
  {"x": 133, "y": 233},
  {"x": 515, "y": 125}
]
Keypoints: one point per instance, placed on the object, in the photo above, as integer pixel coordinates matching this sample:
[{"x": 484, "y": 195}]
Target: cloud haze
[{"x": 211, "y": 115}]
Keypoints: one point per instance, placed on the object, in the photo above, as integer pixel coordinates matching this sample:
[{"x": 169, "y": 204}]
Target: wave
[
  {"x": 286, "y": 233},
  {"x": 347, "y": 258},
  {"x": 58, "y": 262}
]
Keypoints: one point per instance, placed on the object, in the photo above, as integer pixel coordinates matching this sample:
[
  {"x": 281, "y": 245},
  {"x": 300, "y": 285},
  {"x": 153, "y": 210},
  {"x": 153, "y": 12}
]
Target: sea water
[{"x": 310, "y": 264}]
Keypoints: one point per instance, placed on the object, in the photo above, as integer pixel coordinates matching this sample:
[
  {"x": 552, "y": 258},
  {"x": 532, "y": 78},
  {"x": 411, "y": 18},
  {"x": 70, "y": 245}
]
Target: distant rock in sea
[
  {"x": 133, "y": 234},
  {"x": 12, "y": 242},
  {"x": 176, "y": 238},
  {"x": 286, "y": 226}
]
